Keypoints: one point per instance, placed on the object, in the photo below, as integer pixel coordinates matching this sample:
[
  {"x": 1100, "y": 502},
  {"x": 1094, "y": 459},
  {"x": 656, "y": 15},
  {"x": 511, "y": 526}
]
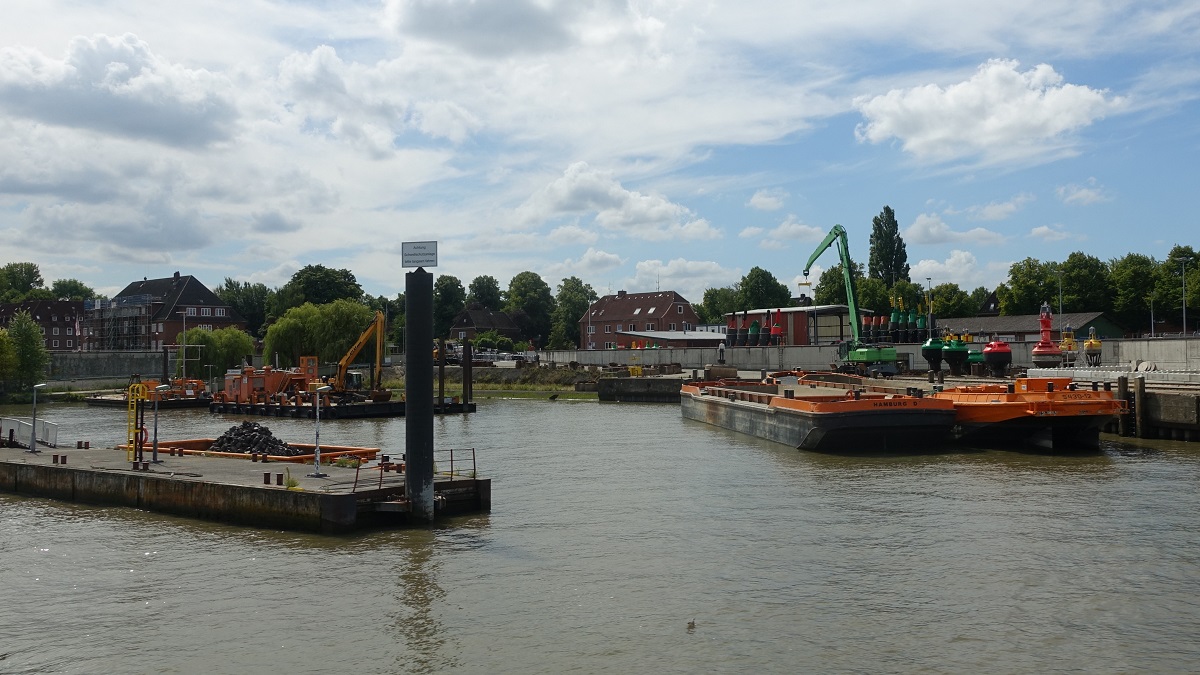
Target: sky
[{"x": 639, "y": 146}]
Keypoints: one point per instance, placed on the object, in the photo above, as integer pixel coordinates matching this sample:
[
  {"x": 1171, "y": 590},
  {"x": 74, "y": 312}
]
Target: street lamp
[
  {"x": 317, "y": 439},
  {"x": 184, "y": 343},
  {"x": 929, "y": 298},
  {"x": 158, "y": 392},
  {"x": 1183, "y": 273},
  {"x": 33, "y": 421}
]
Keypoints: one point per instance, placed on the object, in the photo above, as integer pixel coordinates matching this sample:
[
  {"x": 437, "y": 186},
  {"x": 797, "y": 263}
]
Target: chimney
[{"x": 620, "y": 294}]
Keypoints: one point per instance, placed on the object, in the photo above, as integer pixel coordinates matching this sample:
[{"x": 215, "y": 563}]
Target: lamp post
[
  {"x": 33, "y": 421},
  {"x": 1183, "y": 273},
  {"x": 1151, "y": 316},
  {"x": 929, "y": 294},
  {"x": 317, "y": 438},
  {"x": 183, "y": 343},
  {"x": 158, "y": 392}
]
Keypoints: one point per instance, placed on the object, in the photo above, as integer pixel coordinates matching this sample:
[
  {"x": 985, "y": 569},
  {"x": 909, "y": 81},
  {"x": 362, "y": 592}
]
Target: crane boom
[
  {"x": 376, "y": 329},
  {"x": 838, "y": 235}
]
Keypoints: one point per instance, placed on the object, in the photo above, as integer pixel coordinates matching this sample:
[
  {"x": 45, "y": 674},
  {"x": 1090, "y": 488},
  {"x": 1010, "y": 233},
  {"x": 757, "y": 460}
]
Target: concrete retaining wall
[
  {"x": 288, "y": 509},
  {"x": 1163, "y": 353}
]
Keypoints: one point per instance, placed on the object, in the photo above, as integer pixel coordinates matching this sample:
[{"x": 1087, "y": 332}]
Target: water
[{"x": 613, "y": 526}]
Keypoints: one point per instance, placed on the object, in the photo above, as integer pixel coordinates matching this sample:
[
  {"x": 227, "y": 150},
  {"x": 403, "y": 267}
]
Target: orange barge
[
  {"x": 820, "y": 418},
  {"x": 1051, "y": 413}
]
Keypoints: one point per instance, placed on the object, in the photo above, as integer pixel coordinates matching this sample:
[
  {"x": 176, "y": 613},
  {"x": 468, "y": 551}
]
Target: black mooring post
[{"x": 418, "y": 390}]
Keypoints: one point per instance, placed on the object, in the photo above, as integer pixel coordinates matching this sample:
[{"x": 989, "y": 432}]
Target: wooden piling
[
  {"x": 1123, "y": 394},
  {"x": 1139, "y": 407}
]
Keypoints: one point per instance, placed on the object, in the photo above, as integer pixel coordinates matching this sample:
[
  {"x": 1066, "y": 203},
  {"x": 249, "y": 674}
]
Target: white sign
[{"x": 418, "y": 254}]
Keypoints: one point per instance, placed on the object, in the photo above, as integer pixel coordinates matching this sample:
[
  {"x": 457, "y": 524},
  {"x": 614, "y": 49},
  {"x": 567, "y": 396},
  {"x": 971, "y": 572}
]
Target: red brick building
[
  {"x": 606, "y": 323},
  {"x": 60, "y": 321}
]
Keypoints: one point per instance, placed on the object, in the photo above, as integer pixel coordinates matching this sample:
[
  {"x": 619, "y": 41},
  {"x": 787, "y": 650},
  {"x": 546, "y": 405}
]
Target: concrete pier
[{"x": 240, "y": 491}]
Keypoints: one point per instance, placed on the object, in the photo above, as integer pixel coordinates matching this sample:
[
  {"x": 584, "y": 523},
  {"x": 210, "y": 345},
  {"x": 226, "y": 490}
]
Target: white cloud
[
  {"x": 117, "y": 85},
  {"x": 572, "y": 234},
  {"x": 768, "y": 200},
  {"x": 1049, "y": 233},
  {"x": 1000, "y": 210},
  {"x": 591, "y": 264},
  {"x": 929, "y": 228},
  {"x": 584, "y": 191},
  {"x": 751, "y": 232},
  {"x": 1079, "y": 195},
  {"x": 999, "y": 114},
  {"x": 689, "y": 278},
  {"x": 961, "y": 268}
]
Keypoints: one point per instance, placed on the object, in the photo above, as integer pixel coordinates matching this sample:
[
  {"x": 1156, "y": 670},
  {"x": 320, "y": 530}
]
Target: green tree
[
  {"x": 1169, "y": 284},
  {"x": 716, "y": 303},
  {"x": 950, "y": 301},
  {"x": 71, "y": 289},
  {"x": 19, "y": 279},
  {"x": 252, "y": 301},
  {"x": 979, "y": 296},
  {"x": 530, "y": 305},
  {"x": 293, "y": 335},
  {"x": 485, "y": 290},
  {"x": 889, "y": 259},
  {"x": 320, "y": 285},
  {"x": 873, "y": 295},
  {"x": 449, "y": 299},
  {"x": 339, "y": 325},
  {"x": 1131, "y": 292},
  {"x": 32, "y": 357},
  {"x": 831, "y": 285},
  {"x": 8, "y": 359},
  {"x": 759, "y": 289},
  {"x": 215, "y": 351},
  {"x": 1030, "y": 283},
  {"x": 1086, "y": 284},
  {"x": 572, "y": 302}
]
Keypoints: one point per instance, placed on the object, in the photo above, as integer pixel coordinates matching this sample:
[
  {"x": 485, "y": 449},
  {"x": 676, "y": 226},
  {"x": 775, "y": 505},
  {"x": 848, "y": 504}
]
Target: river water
[{"x": 615, "y": 525}]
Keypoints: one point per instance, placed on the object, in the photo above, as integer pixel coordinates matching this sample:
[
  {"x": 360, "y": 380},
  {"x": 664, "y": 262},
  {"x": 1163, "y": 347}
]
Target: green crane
[{"x": 856, "y": 356}]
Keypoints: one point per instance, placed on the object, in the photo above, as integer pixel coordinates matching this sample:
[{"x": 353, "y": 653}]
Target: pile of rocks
[{"x": 252, "y": 437}]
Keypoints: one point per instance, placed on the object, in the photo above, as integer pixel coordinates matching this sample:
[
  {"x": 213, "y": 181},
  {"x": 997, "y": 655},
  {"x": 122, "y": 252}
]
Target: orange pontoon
[
  {"x": 820, "y": 418},
  {"x": 1052, "y": 413}
]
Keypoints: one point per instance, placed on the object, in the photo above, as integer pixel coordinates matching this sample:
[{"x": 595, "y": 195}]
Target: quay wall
[
  {"x": 239, "y": 504},
  {"x": 1162, "y": 353}
]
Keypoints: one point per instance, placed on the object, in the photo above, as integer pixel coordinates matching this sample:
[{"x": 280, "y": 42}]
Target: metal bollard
[
  {"x": 266, "y": 478},
  {"x": 279, "y": 479},
  {"x": 55, "y": 459},
  {"x": 254, "y": 457},
  {"x": 62, "y": 459},
  {"x": 87, "y": 445}
]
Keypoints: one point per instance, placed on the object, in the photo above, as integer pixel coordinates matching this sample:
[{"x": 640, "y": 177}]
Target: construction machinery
[
  {"x": 856, "y": 355},
  {"x": 349, "y": 384}
]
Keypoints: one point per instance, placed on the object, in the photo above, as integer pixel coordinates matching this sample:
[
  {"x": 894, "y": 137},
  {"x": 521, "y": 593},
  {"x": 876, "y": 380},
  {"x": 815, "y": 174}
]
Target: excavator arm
[
  {"x": 376, "y": 329},
  {"x": 838, "y": 235}
]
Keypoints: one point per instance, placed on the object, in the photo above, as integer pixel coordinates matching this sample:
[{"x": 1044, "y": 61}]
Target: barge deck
[{"x": 241, "y": 491}]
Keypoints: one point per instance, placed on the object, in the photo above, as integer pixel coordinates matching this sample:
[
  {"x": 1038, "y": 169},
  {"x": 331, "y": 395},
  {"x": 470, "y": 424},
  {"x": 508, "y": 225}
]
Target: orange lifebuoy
[{"x": 143, "y": 434}]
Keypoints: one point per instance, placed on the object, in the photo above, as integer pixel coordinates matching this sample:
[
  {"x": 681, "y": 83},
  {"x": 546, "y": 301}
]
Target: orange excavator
[{"x": 347, "y": 384}]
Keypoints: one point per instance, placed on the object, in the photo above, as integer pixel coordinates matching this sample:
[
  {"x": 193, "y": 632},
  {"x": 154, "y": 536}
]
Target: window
[
  {"x": 637, "y": 311},
  {"x": 608, "y": 328},
  {"x": 56, "y": 343},
  {"x": 672, "y": 327},
  {"x": 619, "y": 329},
  {"x": 649, "y": 326},
  {"x": 191, "y": 311},
  {"x": 462, "y": 335},
  {"x": 56, "y": 330},
  {"x": 651, "y": 310},
  {"x": 69, "y": 343},
  {"x": 220, "y": 311},
  {"x": 70, "y": 331},
  {"x": 54, "y": 317},
  {"x": 679, "y": 309},
  {"x": 591, "y": 330},
  {"x": 206, "y": 311}
]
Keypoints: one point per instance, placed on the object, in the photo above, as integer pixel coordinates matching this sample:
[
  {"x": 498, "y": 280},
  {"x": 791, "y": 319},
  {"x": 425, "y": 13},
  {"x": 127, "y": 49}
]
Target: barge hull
[{"x": 849, "y": 432}]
